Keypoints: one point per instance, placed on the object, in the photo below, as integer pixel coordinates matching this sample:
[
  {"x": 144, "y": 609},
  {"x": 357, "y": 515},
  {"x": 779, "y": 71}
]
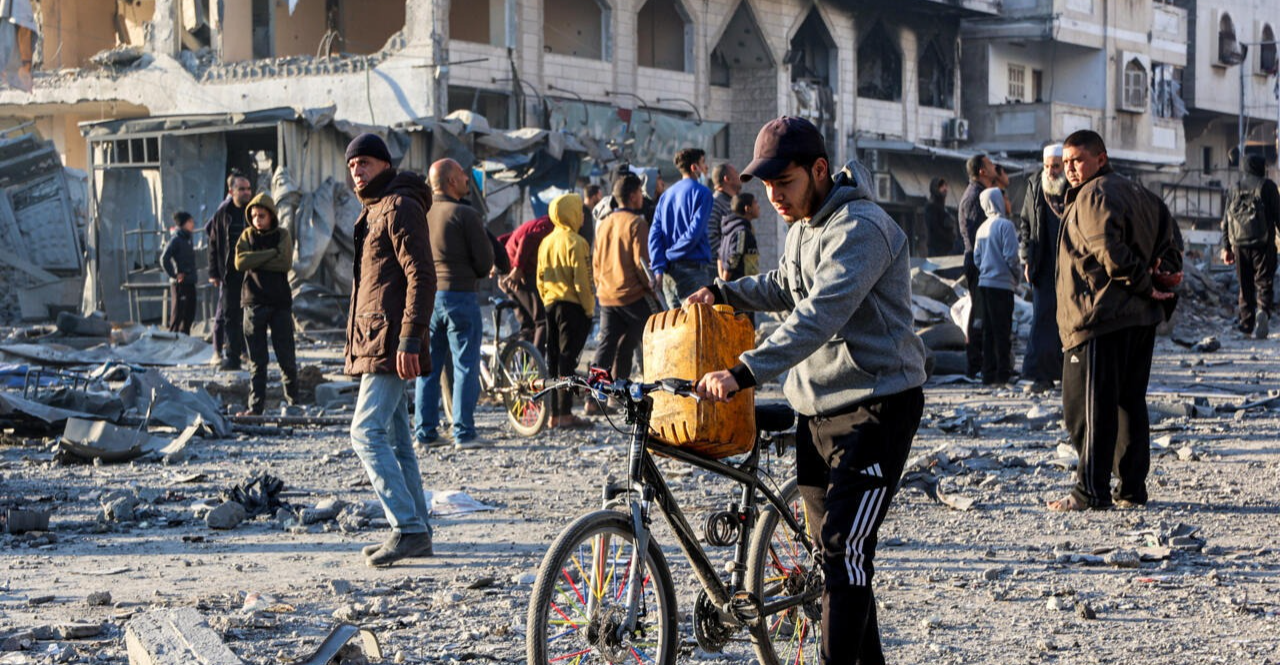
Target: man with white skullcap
[{"x": 1038, "y": 237}]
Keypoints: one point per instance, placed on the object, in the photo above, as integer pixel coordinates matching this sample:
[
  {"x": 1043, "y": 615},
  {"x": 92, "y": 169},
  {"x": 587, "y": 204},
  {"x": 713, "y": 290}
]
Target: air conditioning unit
[
  {"x": 884, "y": 187},
  {"x": 955, "y": 129}
]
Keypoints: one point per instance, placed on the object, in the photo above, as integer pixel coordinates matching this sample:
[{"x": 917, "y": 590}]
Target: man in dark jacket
[
  {"x": 522, "y": 250},
  {"x": 179, "y": 263},
  {"x": 1249, "y": 227},
  {"x": 940, "y": 224},
  {"x": 1038, "y": 248},
  {"x": 727, "y": 183},
  {"x": 224, "y": 230},
  {"x": 264, "y": 254},
  {"x": 1118, "y": 263},
  {"x": 981, "y": 176},
  {"x": 854, "y": 365},
  {"x": 391, "y": 303},
  {"x": 463, "y": 256}
]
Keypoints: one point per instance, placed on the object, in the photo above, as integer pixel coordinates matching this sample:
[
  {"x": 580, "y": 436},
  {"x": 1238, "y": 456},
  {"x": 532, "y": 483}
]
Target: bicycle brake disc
[{"x": 711, "y": 632}]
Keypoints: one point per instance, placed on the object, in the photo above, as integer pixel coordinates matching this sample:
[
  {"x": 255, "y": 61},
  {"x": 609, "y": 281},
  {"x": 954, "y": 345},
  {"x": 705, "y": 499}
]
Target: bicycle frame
[{"x": 646, "y": 478}]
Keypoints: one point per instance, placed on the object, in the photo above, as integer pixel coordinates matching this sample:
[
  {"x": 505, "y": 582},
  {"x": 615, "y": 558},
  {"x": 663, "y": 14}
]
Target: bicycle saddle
[{"x": 774, "y": 417}]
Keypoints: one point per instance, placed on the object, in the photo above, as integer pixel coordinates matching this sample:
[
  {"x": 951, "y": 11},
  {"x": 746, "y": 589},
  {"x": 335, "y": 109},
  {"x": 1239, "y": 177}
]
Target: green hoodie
[{"x": 266, "y": 257}]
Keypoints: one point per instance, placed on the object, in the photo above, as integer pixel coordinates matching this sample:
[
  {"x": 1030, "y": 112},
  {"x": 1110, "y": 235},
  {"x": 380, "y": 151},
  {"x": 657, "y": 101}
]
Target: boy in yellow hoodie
[{"x": 564, "y": 284}]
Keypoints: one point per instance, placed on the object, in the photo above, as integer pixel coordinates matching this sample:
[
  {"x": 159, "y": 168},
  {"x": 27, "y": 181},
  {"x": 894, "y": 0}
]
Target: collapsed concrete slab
[{"x": 175, "y": 637}]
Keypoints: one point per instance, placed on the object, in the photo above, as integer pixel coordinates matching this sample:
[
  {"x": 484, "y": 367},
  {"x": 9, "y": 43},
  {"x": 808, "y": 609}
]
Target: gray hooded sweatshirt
[
  {"x": 844, "y": 281},
  {"x": 995, "y": 249}
]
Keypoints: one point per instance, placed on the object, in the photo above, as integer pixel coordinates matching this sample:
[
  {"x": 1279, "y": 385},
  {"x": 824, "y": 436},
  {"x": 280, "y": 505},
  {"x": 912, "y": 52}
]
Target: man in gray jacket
[{"x": 854, "y": 365}]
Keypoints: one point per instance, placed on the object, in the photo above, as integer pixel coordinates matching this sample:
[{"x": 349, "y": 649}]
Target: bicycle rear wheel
[
  {"x": 521, "y": 364},
  {"x": 580, "y": 598},
  {"x": 780, "y": 567}
]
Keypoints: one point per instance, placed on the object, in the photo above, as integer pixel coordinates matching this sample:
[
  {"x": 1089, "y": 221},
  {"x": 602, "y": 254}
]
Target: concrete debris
[
  {"x": 1122, "y": 559},
  {"x": 932, "y": 286},
  {"x": 175, "y": 637},
  {"x": 228, "y": 515},
  {"x": 98, "y": 599},
  {"x": 336, "y": 394},
  {"x": 77, "y": 631},
  {"x": 346, "y": 644},
  {"x": 323, "y": 511},
  {"x": 94, "y": 325},
  {"x": 944, "y": 336},
  {"x": 1085, "y": 611}
]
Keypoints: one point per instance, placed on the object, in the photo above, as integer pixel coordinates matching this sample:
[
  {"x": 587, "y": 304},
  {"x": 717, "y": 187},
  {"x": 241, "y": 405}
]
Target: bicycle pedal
[{"x": 745, "y": 607}]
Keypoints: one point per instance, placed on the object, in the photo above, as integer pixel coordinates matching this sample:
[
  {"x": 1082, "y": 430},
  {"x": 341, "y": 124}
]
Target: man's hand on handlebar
[
  {"x": 702, "y": 296},
  {"x": 716, "y": 386}
]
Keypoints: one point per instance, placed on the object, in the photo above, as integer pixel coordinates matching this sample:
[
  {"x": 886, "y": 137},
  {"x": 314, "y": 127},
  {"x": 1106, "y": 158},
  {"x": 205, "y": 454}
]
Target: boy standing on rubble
[
  {"x": 179, "y": 263},
  {"x": 264, "y": 253}
]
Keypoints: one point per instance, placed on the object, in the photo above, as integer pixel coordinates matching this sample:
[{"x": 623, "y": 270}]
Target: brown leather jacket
[
  {"x": 395, "y": 277},
  {"x": 1113, "y": 231}
]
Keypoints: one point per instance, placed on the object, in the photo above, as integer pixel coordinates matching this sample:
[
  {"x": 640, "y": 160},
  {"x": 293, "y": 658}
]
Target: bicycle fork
[{"x": 639, "y": 526}]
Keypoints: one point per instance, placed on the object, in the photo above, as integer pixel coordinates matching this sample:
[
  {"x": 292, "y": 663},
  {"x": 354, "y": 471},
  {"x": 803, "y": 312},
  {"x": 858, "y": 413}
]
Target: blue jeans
[
  {"x": 683, "y": 278},
  {"x": 455, "y": 333},
  {"x": 380, "y": 436}
]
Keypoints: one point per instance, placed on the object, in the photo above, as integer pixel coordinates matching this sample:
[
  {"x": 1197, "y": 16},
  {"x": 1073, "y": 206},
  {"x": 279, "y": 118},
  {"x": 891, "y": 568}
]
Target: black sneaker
[
  {"x": 401, "y": 546},
  {"x": 229, "y": 365}
]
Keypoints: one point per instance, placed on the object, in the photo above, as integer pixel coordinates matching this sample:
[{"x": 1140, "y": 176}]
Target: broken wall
[{"x": 72, "y": 31}]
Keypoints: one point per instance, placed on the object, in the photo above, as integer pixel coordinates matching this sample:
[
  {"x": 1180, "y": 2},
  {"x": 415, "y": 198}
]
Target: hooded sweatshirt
[
  {"x": 522, "y": 247},
  {"x": 179, "y": 257},
  {"x": 564, "y": 263},
  {"x": 995, "y": 249},
  {"x": 844, "y": 282},
  {"x": 265, "y": 257}
]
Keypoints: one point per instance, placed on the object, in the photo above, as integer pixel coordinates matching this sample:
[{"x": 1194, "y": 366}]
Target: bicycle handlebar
[{"x": 629, "y": 390}]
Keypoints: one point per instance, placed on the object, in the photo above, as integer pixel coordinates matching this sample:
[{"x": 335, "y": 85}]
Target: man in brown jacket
[
  {"x": 623, "y": 286},
  {"x": 463, "y": 256},
  {"x": 1118, "y": 263},
  {"x": 391, "y": 301}
]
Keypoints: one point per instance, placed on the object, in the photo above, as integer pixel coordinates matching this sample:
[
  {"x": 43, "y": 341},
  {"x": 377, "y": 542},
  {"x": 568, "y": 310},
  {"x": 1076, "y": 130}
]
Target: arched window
[
  {"x": 935, "y": 76},
  {"x": 879, "y": 65},
  {"x": 576, "y": 27},
  {"x": 812, "y": 51},
  {"x": 1267, "y": 61},
  {"x": 664, "y": 36},
  {"x": 1229, "y": 52},
  {"x": 1135, "y": 86}
]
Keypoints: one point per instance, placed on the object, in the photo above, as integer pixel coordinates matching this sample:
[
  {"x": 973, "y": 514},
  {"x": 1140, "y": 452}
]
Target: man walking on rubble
[
  {"x": 1038, "y": 248},
  {"x": 1118, "y": 263},
  {"x": 391, "y": 305},
  {"x": 223, "y": 231},
  {"x": 981, "y": 176},
  {"x": 1249, "y": 241},
  {"x": 854, "y": 364},
  {"x": 463, "y": 256}
]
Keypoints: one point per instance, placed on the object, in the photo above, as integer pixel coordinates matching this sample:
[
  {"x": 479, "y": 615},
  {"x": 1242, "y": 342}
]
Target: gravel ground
[{"x": 1002, "y": 583}]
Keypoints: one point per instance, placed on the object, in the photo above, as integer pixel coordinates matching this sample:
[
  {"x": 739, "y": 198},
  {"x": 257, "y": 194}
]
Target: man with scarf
[{"x": 1038, "y": 248}]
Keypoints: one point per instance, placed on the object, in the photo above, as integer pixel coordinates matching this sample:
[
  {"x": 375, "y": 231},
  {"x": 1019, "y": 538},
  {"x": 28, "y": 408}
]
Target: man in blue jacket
[
  {"x": 854, "y": 364},
  {"x": 679, "y": 246}
]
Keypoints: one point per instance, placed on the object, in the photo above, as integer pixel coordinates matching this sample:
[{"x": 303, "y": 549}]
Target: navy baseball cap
[{"x": 782, "y": 142}]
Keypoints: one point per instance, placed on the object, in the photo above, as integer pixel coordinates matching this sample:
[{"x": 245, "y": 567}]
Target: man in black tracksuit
[
  {"x": 854, "y": 365},
  {"x": 1118, "y": 263},
  {"x": 179, "y": 263},
  {"x": 1250, "y": 244},
  {"x": 264, "y": 253},
  {"x": 224, "y": 231}
]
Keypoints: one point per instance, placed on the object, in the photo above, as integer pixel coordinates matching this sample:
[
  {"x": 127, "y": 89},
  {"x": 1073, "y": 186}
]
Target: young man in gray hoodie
[
  {"x": 854, "y": 365},
  {"x": 995, "y": 252}
]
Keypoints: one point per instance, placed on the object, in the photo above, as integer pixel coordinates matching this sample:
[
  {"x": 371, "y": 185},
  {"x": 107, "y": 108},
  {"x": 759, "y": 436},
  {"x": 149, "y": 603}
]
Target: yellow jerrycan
[{"x": 686, "y": 343}]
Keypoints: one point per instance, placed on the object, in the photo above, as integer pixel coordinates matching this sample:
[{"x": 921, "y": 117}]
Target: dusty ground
[{"x": 1003, "y": 583}]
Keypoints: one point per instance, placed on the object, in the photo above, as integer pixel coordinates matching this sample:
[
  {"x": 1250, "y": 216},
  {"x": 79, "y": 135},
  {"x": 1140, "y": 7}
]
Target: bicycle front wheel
[
  {"x": 580, "y": 598},
  {"x": 782, "y": 573},
  {"x": 521, "y": 365}
]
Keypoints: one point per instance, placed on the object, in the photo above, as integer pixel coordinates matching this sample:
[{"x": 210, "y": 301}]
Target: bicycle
[
  {"x": 509, "y": 368},
  {"x": 585, "y": 606}
]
